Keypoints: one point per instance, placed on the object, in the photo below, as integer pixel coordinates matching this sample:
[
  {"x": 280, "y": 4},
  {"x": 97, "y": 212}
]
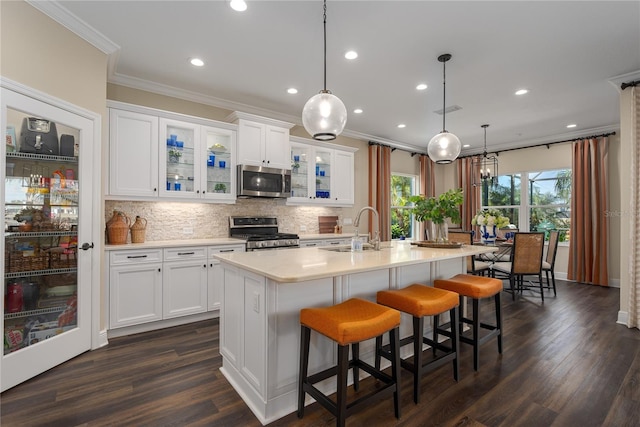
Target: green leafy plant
[
  {"x": 438, "y": 209},
  {"x": 175, "y": 153},
  {"x": 220, "y": 187}
]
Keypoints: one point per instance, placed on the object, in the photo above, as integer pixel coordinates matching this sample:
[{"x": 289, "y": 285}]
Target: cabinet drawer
[
  {"x": 225, "y": 249},
  {"x": 177, "y": 254},
  {"x": 135, "y": 256}
]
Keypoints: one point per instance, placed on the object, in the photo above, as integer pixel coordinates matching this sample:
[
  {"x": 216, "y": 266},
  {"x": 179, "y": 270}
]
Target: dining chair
[
  {"x": 548, "y": 264},
  {"x": 474, "y": 266},
  {"x": 526, "y": 260}
]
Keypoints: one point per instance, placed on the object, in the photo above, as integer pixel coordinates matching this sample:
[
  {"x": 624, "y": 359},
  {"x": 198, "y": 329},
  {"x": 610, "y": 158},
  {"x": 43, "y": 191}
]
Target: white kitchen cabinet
[
  {"x": 321, "y": 173},
  {"x": 133, "y": 154},
  {"x": 184, "y": 281},
  {"x": 135, "y": 287},
  {"x": 262, "y": 141},
  {"x": 214, "y": 279},
  {"x": 159, "y": 155}
]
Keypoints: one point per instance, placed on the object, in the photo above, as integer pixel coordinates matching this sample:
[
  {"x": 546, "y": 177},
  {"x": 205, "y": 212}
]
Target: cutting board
[{"x": 326, "y": 224}]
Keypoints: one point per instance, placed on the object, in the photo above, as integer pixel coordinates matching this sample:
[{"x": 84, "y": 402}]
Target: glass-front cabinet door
[
  {"x": 179, "y": 165},
  {"x": 46, "y": 281},
  {"x": 323, "y": 161},
  {"x": 218, "y": 163},
  {"x": 301, "y": 163}
]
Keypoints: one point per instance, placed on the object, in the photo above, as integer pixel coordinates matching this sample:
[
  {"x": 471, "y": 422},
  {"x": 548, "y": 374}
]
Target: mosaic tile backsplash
[{"x": 168, "y": 220}]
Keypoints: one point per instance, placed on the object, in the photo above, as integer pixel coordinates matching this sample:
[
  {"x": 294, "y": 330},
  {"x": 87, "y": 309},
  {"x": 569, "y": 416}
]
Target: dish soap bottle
[{"x": 356, "y": 243}]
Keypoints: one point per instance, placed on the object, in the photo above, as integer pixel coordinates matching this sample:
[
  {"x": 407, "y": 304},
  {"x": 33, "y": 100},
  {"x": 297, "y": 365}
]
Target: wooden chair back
[
  {"x": 553, "y": 248},
  {"x": 466, "y": 238},
  {"x": 527, "y": 253}
]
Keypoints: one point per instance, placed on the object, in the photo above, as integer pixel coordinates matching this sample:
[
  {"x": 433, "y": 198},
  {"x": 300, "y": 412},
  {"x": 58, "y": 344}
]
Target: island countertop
[{"x": 297, "y": 265}]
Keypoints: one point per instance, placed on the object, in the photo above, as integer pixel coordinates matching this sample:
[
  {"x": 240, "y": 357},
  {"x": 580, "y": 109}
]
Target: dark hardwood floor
[{"x": 565, "y": 363}]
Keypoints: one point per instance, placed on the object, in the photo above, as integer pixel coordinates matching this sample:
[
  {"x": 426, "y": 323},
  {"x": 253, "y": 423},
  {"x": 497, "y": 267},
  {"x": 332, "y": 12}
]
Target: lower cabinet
[
  {"x": 184, "y": 282},
  {"x": 135, "y": 287},
  {"x": 148, "y": 285}
]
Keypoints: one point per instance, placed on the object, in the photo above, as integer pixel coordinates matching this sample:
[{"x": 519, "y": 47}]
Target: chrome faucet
[{"x": 376, "y": 236}]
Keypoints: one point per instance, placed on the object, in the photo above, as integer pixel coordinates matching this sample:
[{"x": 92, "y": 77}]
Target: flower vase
[
  {"x": 439, "y": 232},
  {"x": 488, "y": 234}
]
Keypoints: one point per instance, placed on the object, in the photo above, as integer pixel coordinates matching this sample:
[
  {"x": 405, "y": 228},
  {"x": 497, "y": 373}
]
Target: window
[
  {"x": 534, "y": 201},
  {"x": 402, "y": 221}
]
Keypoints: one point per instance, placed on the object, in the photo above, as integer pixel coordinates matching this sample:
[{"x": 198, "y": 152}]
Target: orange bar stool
[
  {"x": 476, "y": 288},
  {"x": 350, "y": 322},
  {"x": 421, "y": 301}
]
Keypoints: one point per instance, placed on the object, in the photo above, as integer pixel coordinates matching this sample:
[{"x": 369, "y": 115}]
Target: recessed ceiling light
[
  {"x": 352, "y": 54},
  {"x": 292, "y": 90},
  {"x": 572, "y": 125},
  {"x": 421, "y": 86},
  {"x": 358, "y": 111},
  {"x": 238, "y": 5},
  {"x": 522, "y": 91},
  {"x": 466, "y": 146},
  {"x": 197, "y": 62},
  {"x": 402, "y": 125}
]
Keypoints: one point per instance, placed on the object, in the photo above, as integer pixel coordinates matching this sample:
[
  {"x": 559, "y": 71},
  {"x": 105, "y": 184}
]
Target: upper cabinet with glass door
[
  {"x": 189, "y": 158},
  {"x": 321, "y": 173}
]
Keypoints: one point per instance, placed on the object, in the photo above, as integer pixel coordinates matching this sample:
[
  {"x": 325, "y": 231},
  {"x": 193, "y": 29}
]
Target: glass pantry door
[{"x": 47, "y": 210}]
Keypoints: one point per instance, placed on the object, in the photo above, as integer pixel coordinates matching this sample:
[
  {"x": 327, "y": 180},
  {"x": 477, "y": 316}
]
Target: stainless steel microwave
[{"x": 259, "y": 181}]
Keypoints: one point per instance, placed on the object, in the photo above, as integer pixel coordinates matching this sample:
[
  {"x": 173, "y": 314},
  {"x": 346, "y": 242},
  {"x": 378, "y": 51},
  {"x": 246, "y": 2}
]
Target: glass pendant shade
[
  {"x": 444, "y": 147},
  {"x": 324, "y": 116}
]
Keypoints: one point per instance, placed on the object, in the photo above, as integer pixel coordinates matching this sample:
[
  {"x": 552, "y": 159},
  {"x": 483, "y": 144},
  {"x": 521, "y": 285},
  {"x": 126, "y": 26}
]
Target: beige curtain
[
  {"x": 634, "y": 261},
  {"x": 471, "y": 203},
  {"x": 588, "y": 245},
  {"x": 380, "y": 189},
  {"x": 427, "y": 187}
]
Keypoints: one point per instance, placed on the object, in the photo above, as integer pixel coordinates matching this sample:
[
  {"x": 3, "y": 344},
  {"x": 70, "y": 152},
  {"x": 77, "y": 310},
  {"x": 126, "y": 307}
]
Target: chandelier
[
  {"x": 445, "y": 146},
  {"x": 485, "y": 168},
  {"x": 324, "y": 115}
]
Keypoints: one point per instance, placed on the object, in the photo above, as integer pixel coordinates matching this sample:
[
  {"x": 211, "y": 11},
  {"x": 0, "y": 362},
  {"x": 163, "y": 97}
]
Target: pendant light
[
  {"x": 444, "y": 147},
  {"x": 324, "y": 115},
  {"x": 485, "y": 168}
]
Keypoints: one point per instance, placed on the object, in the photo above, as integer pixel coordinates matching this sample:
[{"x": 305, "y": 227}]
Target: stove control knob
[{"x": 260, "y": 244}]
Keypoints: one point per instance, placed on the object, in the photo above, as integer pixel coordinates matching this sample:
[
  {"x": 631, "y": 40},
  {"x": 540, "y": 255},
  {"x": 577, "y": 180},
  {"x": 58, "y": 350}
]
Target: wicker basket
[
  {"x": 138, "y": 230},
  {"x": 66, "y": 258},
  {"x": 19, "y": 263}
]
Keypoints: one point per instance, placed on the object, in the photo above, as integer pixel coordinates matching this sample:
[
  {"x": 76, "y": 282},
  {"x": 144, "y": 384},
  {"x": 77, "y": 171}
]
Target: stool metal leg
[
  {"x": 355, "y": 348},
  {"x": 418, "y": 331},
  {"x": 341, "y": 397},
  {"x": 499, "y": 321},
  {"x": 378, "y": 350},
  {"x": 305, "y": 334},
  {"x": 394, "y": 338},
  {"x": 455, "y": 341},
  {"x": 476, "y": 333}
]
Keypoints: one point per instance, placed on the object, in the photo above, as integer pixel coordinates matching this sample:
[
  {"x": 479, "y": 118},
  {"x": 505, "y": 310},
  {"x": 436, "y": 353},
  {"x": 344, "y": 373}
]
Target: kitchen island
[{"x": 263, "y": 292}]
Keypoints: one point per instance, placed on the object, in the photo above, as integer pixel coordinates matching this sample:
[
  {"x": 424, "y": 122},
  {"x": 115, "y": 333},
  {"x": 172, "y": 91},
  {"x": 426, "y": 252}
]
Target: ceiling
[{"x": 571, "y": 56}]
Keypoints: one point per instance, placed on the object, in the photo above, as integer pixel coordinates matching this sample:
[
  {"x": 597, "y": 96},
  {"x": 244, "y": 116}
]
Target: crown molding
[
  {"x": 58, "y": 13},
  {"x": 624, "y": 78}
]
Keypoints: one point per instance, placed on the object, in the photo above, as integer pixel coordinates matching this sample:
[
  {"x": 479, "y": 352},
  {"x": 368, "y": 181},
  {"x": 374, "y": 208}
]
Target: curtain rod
[
  {"x": 623, "y": 86},
  {"x": 413, "y": 153},
  {"x": 546, "y": 144}
]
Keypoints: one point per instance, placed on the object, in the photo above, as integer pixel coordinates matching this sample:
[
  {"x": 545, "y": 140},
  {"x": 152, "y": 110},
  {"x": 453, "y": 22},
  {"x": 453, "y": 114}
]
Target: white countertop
[
  {"x": 297, "y": 265},
  {"x": 176, "y": 243}
]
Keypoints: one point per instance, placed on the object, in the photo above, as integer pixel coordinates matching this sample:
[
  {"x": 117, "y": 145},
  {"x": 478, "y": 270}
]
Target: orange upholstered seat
[
  {"x": 352, "y": 321},
  {"x": 349, "y": 323},
  {"x": 419, "y": 300},
  {"x": 476, "y": 288},
  {"x": 470, "y": 286}
]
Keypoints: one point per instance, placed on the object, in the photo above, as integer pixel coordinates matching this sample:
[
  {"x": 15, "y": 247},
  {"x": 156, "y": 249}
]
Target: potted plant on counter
[{"x": 438, "y": 210}]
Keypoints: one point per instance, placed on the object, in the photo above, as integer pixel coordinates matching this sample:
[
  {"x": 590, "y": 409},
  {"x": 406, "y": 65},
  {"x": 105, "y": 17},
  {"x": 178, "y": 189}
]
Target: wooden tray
[{"x": 426, "y": 244}]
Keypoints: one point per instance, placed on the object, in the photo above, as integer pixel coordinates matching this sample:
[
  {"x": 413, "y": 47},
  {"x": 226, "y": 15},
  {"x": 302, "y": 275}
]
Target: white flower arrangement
[{"x": 490, "y": 217}]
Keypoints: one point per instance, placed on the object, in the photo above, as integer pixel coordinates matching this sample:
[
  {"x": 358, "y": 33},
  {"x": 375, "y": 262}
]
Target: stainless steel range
[{"x": 261, "y": 233}]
